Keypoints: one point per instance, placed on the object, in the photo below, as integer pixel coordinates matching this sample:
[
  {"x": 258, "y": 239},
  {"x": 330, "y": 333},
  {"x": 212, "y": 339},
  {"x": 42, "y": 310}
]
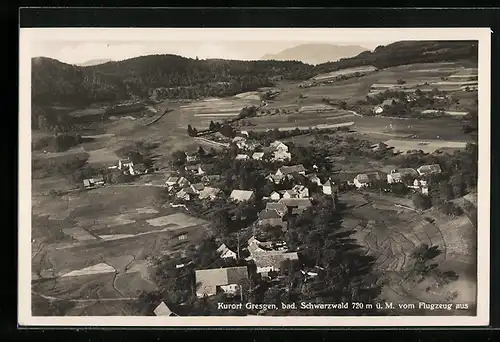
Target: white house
[
  {"x": 365, "y": 179},
  {"x": 431, "y": 169},
  {"x": 226, "y": 253},
  {"x": 275, "y": 196},
  {"x": 228, "y": 280},
  {"x": 290, "y": 194},
  {"x": 329, "y": 187},
  {"x": 398, "y": 175},
  {"x": 241, "y": 195},
  {"x": 171, "y": 181},
  {"x": 241, "y": 157},
  {"x": 279, "y": 146},
  {"x": 124, "y": 164},
  {"x": 258, "y": 155}
]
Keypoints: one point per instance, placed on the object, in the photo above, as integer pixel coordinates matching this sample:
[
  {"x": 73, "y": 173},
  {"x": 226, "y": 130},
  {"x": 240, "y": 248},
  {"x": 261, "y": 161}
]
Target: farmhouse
[
  {"x": 271, "y": 218},
  {"x": 270, "y": 261},
  {"x": 276, "y": 179},
  {"x": 386, "y": 103},
  {"x": 288, "y": 170},
  {"x": 275, "y": 196},
  {"x": 298, "y": 205},
  {"x": 209, "y": 192},
  {"x": 330, "y": 187},
  {"x": 214, "y": 280},
  {"x": 426, "y": 170},
  {"x": 197, "y": 188},
  {"x": 185, "y": 194},
  {"x": 290, "y": 194},
  {"x": 226, "y": 253},
  {"x": 366, "y": 179},
  {"x": 314, "y": 179},
  {"x": 280, "y": 208},
  {"x": 379, "y": 147},
  {"x": 163, "y": 310},
  {"x": 258, "y": 155},
  {"x": 241, "y": 195},
  {"x": 281, "y": 156},
  {"x": 240, "y": 142},
  {"x": 93, "y": 182},
  {"x": 195, "y": 169},
  {"x": 241, "y": 157},
  {"x": 207, "y": 179},
  {"x": 279, "y": 146},
  {"x": 124, "y": 164},
  {"x": 301, "y": 191},
  {"x": 191, "y": 158},
  {"x": 398, "y": 175}
]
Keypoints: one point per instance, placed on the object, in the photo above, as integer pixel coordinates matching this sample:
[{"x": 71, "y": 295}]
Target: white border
[{"x": 254, "y": 34}]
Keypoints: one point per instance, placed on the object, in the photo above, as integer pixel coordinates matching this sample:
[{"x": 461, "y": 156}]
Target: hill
[
  {"x": 54, "y": 82},
  {"x": 93, "y": 62},
  {"x": 407, "y": 52},
  {"x": 172, "y": 76},
  {"x": 316, "y": 53}
]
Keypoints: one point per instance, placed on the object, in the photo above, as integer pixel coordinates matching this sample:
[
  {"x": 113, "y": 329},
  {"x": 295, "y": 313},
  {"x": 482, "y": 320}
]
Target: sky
[{"x": 76, "y": 52}]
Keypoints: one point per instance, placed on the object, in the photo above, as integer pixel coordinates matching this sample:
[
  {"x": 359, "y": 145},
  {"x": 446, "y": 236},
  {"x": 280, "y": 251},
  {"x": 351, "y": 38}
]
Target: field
[
  {"x": 390, "y": 234},
  {"x": 93, "y": 250}
]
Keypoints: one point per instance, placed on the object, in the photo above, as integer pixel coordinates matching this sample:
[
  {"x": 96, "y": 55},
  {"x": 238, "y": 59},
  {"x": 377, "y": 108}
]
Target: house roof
[
  {"x": 241, "y": 195},
  {"x": 208, "y": 280},
  {"x": 162, "y": 310},
  {"x": 328, "y": 183},
  {"x": 296, "y": 202},
  {"x": 277, "y": 143},
  {"x": 223, "y": 249},
  {"x": 299, "y": 188},
  {"x": 125, "y": 160},
  {"x": 405, "y": 172},
  {"x": 367, "y": 177},
  {"x": 273, "y": 259},
  {"x": 291, "y": 169},
  {"x": 426, "y": 169},
  {"x": 258, "y": 155},
  {"x": 86, "y": 182},
  {"x": 198, "y": 186},
  {"x": 269, "y": 214},
  {"x": 278, "y": 207},
  {"x": 291, "y": 192},
  {"x": 209, "y": 192},
  {"x": 236, "y": 139},
  {"x": 241, "y": 156},
  {"x": 193, "y": 167}
]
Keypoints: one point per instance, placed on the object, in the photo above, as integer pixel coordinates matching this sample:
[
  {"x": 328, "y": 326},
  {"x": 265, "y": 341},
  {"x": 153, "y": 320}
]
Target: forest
[{"x": 171, "y": 76}]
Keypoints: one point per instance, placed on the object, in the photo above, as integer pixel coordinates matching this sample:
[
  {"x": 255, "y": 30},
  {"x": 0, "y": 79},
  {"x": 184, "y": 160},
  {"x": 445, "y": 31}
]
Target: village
[{"x": 290, "y": 190}]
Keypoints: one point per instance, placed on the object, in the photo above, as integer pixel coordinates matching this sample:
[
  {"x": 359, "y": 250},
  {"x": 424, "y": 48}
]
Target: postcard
[{"x": 254, "y": 177}]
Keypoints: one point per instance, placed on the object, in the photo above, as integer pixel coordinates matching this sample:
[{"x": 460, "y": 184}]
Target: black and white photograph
[{"x": 207, "y": 177}]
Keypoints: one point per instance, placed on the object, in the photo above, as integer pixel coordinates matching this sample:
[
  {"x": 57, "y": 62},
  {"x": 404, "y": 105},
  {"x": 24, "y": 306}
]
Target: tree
[
  {"x": 212, "y": 126},
  {"x": 420, "y": 201},
  {"x": 201, "y": 152},
  {"x": 179, "y": 157},
  {"x": 190, "y": 131}
]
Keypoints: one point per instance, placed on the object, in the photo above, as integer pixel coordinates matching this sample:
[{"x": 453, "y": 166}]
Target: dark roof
[
  {"x": 279, "y": 207},
  {"x": 296, "y": 202},
  {"x": 274, "y": 259},
  {"x": 269, "y": 214},
  {"x": 198, "y": 186},
  {"x": 208, "y": 280},
  {"x": 292, "y": 169}
]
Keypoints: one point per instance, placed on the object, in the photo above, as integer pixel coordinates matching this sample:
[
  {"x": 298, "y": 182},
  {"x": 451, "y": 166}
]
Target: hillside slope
[
  {"x": 316, "y": 53},
  {"x": 407, "y": 52}
]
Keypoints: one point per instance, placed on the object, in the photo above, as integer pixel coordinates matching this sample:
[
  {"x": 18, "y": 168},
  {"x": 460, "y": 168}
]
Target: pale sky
[{"x": 76, "y": 52}]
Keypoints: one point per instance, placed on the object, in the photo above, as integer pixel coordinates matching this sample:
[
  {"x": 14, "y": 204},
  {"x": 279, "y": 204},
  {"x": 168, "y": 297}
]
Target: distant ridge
[
  {"x": 316, "y": 53},
  {"x": 93, "y": 62}
]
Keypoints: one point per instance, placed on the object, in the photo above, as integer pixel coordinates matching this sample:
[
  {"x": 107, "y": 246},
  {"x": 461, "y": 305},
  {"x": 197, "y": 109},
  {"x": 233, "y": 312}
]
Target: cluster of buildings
[
  {"x": 125, "y": 166},
  {"x": 276, "y": 151},
  {"x": 268, "y": 258},
  {"x": 412, "y": 178}
]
